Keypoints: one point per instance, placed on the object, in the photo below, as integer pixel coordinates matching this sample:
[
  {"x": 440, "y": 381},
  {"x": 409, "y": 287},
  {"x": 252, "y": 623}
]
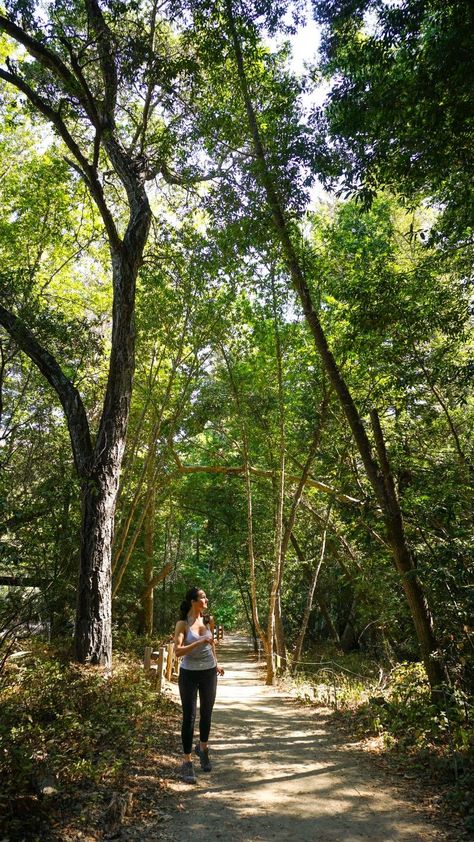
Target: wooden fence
[
  {"x": 162, "y": 664},
  {"x": 279, "y": 663}
]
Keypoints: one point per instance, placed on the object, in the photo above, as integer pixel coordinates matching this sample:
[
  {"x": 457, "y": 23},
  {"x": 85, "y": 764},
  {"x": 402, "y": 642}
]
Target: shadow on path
[{"x": 282, "y": 772}]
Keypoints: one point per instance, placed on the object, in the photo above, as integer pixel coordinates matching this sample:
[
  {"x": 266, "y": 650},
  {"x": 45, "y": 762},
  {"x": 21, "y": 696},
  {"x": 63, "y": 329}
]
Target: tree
[
  {"x": 398, "y": 315},
  {"x": 93, "y": 76},
  {"x": 45, "y": 228},
  {"x": 401, "y": 112},
  {"x": 266, "y": 119}
]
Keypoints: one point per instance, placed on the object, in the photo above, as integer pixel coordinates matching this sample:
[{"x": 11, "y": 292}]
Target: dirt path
[{"x": 281, "y": 773}]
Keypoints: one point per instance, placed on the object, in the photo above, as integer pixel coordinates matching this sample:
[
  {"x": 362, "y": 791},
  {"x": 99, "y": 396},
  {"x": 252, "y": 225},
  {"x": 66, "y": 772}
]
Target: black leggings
[{"x": 190, "y": 681}]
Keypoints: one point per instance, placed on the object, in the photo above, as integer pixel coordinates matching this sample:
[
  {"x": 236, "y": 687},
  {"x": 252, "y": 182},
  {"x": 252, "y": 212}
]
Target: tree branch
[
  {"x": 183, "y": 180},
  {"x": 76, "y": 85},
  {"x": 68, "y": 395},
  {"x": 157, "y": 578},
  {"x": 239, "y": 470},
  {"x": 89, "y": 105},
  {"x": 107, "y": 63},
  {"x": 84, "y": 168}
]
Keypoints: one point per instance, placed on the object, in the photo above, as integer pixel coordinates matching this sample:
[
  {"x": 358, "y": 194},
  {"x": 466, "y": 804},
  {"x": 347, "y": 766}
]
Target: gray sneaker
[
  {"x": 187, "y": 773},
  {"x": 206, "y": 765}
]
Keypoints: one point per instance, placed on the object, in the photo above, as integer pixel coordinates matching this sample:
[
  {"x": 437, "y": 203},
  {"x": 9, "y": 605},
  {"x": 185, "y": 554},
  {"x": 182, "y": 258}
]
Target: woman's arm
[{"x": 179, "y": 635}]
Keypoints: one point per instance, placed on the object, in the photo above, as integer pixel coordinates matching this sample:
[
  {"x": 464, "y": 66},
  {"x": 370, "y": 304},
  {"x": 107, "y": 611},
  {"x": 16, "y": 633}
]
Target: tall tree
[
  {"x": 94, "y": 76},
  {"x": 268, "y": 111},
  {"x": 401, "y": 111}
]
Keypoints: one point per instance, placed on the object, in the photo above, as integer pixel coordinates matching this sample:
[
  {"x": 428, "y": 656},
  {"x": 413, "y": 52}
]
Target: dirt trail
[{"x": 281, "y": 772}]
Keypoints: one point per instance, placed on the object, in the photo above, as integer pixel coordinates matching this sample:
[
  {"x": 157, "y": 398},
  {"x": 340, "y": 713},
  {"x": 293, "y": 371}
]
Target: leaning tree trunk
[
  {"x": 411, "y": 584},
  {"x": 311, "y": 591},
  {"x": 148, "y": 540},
  {"x": 388, "y": 503},
  {"x": 333, "y": 632}
]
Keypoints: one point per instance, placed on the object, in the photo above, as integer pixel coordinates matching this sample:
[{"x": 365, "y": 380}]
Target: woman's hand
[
  {"x": 220, "y": 670},
  {"x": 201, "y": 639}
]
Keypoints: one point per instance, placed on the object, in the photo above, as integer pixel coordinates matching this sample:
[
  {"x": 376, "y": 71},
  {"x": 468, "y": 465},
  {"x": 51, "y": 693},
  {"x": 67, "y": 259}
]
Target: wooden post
[
  {"x": 169, "y": 662},
  {"x": 159, "y": 672},
  {"x": 147, "y": 659}
]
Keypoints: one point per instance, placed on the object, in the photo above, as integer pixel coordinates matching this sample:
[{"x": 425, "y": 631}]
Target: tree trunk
[
  {"x": 280, "y": 633},
  {"x": 147, "y": 597},
  {"x": 248, "y": 489},
  {"x": 421, "y": 615},
  {"x": 348, "y": 636},
  {"x": 98, "y": 466},
  {"x": 414, "y": 593},
  {"x": 148, "y": 544},
  {"x": 93, "y": 638},
  {"x": 246, "y": 601},
  {"x": 312, "y": 588},
  {"x": 333, "y": 632}
]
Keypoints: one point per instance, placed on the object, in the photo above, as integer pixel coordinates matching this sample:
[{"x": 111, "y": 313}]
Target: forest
[{"x": 236, "y": 350}]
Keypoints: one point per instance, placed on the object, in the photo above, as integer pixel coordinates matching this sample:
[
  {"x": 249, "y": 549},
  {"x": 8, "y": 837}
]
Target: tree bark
[{"x": 93, "y": 635}]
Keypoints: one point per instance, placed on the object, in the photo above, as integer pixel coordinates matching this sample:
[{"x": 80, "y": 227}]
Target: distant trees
[{"x": 267, "y": 124}]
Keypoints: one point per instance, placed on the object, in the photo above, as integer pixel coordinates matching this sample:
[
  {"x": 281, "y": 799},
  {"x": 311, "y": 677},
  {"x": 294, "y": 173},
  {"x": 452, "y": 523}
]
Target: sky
[{"x": 305, "y": 43}]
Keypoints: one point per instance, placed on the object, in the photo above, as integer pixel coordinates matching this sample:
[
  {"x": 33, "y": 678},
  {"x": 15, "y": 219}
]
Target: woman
[{"x": 194, "y": 642}]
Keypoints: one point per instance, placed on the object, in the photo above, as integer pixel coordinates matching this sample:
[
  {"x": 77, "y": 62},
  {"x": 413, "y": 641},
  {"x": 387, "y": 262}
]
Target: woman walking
[{"x": 194, "y": 642}]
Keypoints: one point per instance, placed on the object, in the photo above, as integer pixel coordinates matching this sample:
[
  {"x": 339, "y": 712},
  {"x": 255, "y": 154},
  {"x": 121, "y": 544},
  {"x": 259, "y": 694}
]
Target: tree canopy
[
  {"x": 400, "y": 111},
  {"x": 263, "y": 393}
]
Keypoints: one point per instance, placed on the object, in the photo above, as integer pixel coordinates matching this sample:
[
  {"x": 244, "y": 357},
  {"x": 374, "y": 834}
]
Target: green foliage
[
  {"x": 212, "y": 297},
  {"x": 438, "y": 736},
  {"x": 342, "y": 682},
  {"x": 401, "y": 111},
  {"x": 397, "y": 707},
  {"x": 73, "y": 723}
]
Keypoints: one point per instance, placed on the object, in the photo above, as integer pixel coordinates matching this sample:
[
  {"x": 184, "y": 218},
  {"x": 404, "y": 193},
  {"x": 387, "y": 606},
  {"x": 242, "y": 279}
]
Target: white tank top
[{"x": 202, "y": 657}]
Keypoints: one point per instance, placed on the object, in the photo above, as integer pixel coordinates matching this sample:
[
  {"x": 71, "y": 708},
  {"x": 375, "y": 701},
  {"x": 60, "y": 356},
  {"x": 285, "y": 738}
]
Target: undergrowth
[
  {"x": 437, "y": 739},
  {"x": 73, "y": 727}
]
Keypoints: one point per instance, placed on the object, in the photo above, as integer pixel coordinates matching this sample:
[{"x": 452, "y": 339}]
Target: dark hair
[{"x": 191, "y": 596}]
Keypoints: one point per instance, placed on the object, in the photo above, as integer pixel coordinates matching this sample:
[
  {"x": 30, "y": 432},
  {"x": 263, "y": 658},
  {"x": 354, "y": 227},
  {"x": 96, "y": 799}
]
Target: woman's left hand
[{"x": 220, "y": 670}]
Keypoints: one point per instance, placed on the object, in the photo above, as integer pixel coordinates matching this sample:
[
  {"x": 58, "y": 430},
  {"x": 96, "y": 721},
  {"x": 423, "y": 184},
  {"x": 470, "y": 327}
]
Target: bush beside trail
[
  {"x": 71, "y": 740},
  {"x": 392, "y": 712}
]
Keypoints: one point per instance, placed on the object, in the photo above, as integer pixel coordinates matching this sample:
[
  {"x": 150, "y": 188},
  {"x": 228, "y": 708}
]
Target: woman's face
[{"x": 201, "y": 601}]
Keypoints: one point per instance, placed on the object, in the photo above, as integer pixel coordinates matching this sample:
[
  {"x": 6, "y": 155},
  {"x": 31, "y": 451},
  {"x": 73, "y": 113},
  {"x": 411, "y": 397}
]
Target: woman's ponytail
[{"x": 185, "y": 607}]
